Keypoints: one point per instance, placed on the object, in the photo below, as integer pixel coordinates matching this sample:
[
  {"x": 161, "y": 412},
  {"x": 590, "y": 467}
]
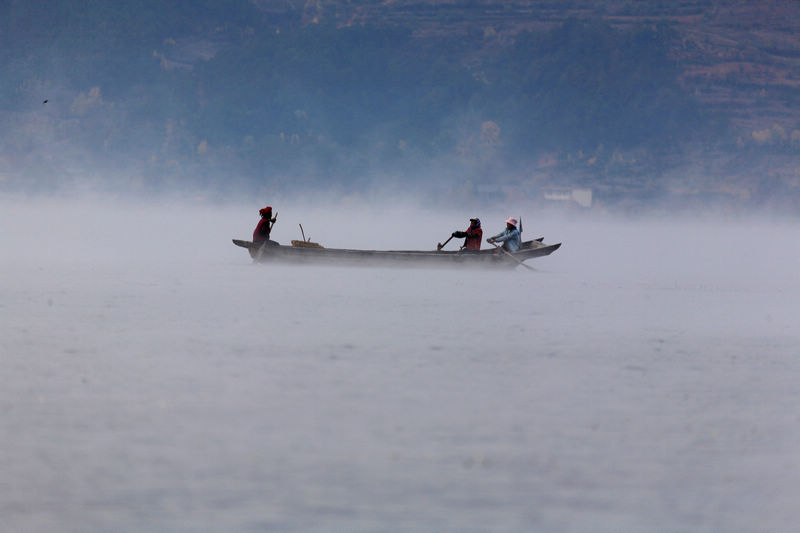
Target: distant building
[{"x": 567, "y": 195}]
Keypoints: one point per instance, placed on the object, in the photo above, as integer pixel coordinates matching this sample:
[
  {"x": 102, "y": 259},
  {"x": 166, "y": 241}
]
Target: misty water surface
[{"x": 645, "y": 377}]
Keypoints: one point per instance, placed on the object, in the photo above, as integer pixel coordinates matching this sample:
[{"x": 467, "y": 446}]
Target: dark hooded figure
[
  {"x": 264, "y": 227},
  {"x": 472, "y": 237}
]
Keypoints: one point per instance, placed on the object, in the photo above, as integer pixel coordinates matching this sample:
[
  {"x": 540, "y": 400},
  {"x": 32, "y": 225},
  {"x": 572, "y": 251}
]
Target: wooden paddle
[
  {"x": 512, "y": 257},
  {"x": 441, "y": 245},
  {"x": 257, "y": 258}
]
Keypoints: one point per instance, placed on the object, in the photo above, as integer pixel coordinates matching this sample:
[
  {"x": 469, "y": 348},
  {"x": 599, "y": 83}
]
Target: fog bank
[{"x": 643, "y": 377}]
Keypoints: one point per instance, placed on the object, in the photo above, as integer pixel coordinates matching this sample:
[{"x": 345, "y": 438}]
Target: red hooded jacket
[
  {"x": 472, "y": 237},
  {"x": 261, "y": 233}
]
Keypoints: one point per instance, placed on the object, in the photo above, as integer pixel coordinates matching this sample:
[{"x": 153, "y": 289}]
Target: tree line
[{"x": 194, "y": 92}]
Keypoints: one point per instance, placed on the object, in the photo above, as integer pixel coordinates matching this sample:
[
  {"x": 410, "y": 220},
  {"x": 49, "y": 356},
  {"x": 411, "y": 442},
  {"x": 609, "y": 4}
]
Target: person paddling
[
  {"x": 510, "y": 237},
  {"x": 473, "y": 236},
  {"x": 264, "y": 227}
]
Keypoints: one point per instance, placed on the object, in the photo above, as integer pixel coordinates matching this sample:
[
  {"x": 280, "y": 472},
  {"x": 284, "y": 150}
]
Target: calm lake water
[{"x": 645, "y": 378}]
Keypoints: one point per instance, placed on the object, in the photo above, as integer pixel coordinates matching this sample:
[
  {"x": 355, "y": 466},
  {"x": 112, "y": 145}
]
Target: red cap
[{"x": 266, "y": 211}]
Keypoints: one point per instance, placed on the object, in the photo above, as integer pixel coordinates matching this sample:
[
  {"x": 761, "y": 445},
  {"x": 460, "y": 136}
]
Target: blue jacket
[{"x": 510, "y": 238}]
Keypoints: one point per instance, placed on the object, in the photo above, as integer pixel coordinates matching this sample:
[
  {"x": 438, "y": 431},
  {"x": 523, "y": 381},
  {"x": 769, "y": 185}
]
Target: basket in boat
[{"x": 306, "y": 244}]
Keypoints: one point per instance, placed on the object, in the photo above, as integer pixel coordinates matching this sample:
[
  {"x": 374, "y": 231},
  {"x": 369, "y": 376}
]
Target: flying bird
[{"x": 44, "y": 102}]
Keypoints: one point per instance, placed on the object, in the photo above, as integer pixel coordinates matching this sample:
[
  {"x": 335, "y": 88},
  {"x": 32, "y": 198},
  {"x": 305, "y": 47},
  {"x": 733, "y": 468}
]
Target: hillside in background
[{"x": 690, "y": 101}]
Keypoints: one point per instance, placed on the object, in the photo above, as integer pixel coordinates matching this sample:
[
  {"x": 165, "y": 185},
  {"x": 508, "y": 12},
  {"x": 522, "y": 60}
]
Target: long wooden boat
[{"x": 307, "y": 252}]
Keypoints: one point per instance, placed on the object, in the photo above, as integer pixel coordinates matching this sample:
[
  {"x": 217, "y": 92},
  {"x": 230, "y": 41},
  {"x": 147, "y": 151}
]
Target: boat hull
[{"x": 488, "y": 258}]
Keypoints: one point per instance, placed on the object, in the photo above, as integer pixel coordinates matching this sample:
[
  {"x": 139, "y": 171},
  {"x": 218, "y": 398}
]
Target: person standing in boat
[
  {"x": 264, "y": 227},
  {"x": 510, "y": 237},
  {"x": 473, "y": 236}
]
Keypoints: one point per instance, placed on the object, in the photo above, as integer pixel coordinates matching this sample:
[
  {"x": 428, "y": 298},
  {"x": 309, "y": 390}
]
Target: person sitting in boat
[
  {"x": 510, "y": 237},
  {"x": 473, "y": 236},
  {"x": 264, "y": 227}
]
